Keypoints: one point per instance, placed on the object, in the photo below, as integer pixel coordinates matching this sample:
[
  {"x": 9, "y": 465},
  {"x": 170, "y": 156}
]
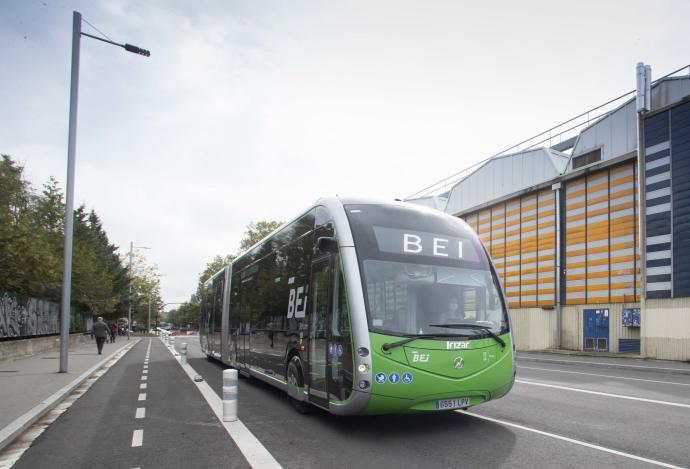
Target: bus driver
[{"x": 452, "y": 313}]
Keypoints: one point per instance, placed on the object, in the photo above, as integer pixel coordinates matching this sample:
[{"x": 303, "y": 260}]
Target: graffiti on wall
[{"x": 30, "y": 317}]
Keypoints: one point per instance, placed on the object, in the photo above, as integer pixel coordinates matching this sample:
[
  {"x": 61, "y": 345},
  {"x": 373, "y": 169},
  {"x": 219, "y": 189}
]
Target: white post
[
  {"x": 172, "y": 343},
  {"x": 183, "y": 353},
  {"x": 229, "y": 395}
]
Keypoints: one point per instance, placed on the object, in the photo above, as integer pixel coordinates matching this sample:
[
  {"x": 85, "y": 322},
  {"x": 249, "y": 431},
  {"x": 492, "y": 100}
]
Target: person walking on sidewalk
[
  {"x": 101, "y": 331},
  {"x": 113, "y": 332}
]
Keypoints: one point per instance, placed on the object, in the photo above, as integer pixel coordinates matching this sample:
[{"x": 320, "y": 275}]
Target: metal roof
[
  {"x": 504, "y": 175},
  {"x": 616, "y": 132}
]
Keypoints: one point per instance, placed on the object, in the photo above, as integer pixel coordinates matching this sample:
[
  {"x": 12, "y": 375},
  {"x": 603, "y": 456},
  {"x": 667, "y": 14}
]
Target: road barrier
[
  {"x": 229, "y": 395},
  {"x": 183, "y": 353}
]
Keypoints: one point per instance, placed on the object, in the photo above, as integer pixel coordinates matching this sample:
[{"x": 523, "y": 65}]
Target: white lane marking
[
  {"x": 146, "y": 366},
  {"x": 146, "y": 372},
  {"x": 570, "y": 440},
  {"x": 142, "y": 396},
  {"x": 605, "y": 376},
  {"x": 256, "y": 454},
  {"x": 142, "y": 386},
  {"x": 607, "y": 394},
  {"x": 548, "y": 360},
  {"x": 141, "y": 413},
  {"x": 137, "y": 438},
  {"x": 144, "y": 378}
]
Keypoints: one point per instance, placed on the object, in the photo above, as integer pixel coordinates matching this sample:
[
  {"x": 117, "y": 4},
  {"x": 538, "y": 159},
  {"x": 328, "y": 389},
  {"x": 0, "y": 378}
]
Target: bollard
[
  {"x": 172, "y": 343},
  {"x": 229, "y": 395},
  {"x": 183, "y": 353}
]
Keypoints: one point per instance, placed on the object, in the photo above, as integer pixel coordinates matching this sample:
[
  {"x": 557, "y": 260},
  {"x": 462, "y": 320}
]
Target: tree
[
  {"x": 256, "y": 232},
  {"x": 31, "y": 247}
]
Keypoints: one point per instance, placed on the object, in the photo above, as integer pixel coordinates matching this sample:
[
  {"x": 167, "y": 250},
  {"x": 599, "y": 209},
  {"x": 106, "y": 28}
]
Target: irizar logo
[
  {"x": 450, "y": 345},
  {"x": 420, "y": 357}
]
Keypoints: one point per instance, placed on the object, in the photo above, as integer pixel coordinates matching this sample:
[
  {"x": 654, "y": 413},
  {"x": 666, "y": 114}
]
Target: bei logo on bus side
[{"x": 297, "y": 304}]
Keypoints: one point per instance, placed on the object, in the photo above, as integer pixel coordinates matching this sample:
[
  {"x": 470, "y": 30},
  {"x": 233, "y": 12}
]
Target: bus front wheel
[{"x": 295, "y": 385}]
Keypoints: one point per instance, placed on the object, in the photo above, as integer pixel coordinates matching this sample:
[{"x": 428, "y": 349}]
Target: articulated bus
[{"x": 361, "y": 307}]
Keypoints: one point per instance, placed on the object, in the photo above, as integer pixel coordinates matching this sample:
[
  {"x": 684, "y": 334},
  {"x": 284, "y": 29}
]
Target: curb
[{"x": 22, "y": 423}]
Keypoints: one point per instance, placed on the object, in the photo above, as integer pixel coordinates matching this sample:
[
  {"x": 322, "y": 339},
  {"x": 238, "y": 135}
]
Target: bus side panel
[{"x": 225, "y": 342}]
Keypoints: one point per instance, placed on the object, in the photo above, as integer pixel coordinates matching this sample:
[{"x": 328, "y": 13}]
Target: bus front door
[{"x": 318, "y": 308}]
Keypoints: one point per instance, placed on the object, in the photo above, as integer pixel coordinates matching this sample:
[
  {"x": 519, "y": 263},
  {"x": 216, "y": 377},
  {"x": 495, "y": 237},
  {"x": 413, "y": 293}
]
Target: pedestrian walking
[
  {"x": 101, "y": 331},
  {"x": 113, "y": 332}
]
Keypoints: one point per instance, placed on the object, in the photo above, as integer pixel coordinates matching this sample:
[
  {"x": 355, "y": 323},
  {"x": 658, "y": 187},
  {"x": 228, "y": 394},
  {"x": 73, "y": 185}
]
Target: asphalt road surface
[
  {"x": 105, "y": 429},
  {"x": 561, "y": 413}
]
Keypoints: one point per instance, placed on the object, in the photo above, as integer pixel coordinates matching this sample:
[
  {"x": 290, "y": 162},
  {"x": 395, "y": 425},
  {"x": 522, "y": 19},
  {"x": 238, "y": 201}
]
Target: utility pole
[{"x": 69, "y": 190}]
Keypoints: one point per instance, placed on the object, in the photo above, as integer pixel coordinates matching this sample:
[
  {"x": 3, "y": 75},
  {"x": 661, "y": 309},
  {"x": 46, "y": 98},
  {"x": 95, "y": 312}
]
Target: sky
[{"x": 252, "y": 110}]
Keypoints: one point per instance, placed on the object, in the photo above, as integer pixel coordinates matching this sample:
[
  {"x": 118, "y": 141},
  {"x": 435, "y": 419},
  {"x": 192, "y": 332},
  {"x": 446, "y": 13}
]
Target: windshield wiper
[
  {"x": 386, "y": 347},
  {"x": 486, "y": 329}
]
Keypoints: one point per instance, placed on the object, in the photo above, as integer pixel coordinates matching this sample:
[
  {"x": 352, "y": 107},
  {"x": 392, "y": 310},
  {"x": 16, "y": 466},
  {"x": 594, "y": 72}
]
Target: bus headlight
[{"x": 363, "y": 368}]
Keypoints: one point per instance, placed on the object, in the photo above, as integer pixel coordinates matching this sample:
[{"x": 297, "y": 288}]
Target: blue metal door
[{"x": 596, "y": 329}]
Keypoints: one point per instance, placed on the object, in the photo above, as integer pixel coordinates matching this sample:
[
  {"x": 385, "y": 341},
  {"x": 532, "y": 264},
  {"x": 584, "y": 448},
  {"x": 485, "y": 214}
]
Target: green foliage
[
  {"x": 256, "y": 232},
  {"x": 32, "y": 247}
]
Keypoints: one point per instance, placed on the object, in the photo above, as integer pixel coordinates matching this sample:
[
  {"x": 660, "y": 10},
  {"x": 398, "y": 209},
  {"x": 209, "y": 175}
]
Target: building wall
[
  {"x": 666, "y": 325},
  {"x": 601, "y": 250},
  {"x": 534, "y": 328},
  {"x": 520, "y": 235}
]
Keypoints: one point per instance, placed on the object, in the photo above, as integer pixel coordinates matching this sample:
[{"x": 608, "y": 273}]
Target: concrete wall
[
  {"x": 13, "y": 349},
  {"x": 533, "y": 328},
  {"x": 666, "y": 328}
]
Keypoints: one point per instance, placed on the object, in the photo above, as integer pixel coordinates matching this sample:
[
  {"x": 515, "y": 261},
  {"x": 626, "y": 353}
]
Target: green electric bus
[{"x": 365, "y": 307}]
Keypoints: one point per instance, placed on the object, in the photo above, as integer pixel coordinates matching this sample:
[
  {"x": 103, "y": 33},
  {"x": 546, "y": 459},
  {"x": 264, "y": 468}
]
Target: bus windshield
[{"x": 424, "y": 272}]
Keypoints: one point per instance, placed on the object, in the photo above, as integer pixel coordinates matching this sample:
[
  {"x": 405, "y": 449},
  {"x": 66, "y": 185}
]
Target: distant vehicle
[{"x": 346, "y": 308}]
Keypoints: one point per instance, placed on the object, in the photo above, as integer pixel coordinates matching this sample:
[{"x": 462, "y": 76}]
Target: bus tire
[{"x": 295, "y": 382}]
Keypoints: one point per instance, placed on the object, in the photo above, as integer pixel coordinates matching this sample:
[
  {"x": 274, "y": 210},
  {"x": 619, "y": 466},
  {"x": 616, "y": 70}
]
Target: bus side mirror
[{"x": 327, "y": 244}]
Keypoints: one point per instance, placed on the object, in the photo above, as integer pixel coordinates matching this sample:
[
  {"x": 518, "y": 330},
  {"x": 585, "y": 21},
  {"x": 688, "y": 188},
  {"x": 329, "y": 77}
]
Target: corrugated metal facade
[
  {"x": 667, "y": 208},
  {"x": 601, "y": 255},
  {"x": 520, "y": 235}
]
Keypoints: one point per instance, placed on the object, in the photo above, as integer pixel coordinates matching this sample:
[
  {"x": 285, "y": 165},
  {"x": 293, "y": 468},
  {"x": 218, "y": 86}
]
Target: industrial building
[{"x": 591, "y": 236}]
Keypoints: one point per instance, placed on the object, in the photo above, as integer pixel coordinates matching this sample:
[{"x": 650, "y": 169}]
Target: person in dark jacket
[
  {"x": 113, "y": 332},
  {"x": 101, "y": 331}
]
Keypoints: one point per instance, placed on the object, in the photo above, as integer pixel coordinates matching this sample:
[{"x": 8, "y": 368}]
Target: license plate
[{"x": 459, "y": 403}]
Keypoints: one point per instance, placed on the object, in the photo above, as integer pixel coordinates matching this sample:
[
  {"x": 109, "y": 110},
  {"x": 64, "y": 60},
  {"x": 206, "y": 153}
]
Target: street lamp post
[
  {"x": 69, "y": 192},
  {"x": 131, "y": 252}
]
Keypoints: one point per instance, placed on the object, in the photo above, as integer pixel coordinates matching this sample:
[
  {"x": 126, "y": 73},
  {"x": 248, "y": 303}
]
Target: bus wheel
[{"x": 295, "y": 385}]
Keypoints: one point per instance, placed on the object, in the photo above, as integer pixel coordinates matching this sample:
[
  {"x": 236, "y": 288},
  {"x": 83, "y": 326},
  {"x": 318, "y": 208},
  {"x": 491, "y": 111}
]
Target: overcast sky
[{"x": 251, "y": 110}]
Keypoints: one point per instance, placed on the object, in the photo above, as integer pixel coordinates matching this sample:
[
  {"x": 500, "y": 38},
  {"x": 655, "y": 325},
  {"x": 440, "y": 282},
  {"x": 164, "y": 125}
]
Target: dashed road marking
[
  {"x": 142, "y": 396},
  {"x": 144, "y": 378},
  {"x": 142, "y": 386},
  {"x": 146, "y": 372},
  {"x": 606, "y": 394},
  {"x": 141, "y": 413},
  {"x": 570, "y": 440},
  {"x": 138, "y": 438}
]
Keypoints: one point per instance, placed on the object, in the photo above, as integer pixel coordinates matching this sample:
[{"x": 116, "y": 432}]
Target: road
[
  {"x": 653, "y": 430},
  {"x": 559, "y": 414}
]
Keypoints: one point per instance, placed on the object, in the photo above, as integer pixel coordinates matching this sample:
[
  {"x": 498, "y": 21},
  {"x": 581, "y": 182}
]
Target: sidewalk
[
  {"x": 30, "y": 387},
  {"x": 605, "y": 360}
]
